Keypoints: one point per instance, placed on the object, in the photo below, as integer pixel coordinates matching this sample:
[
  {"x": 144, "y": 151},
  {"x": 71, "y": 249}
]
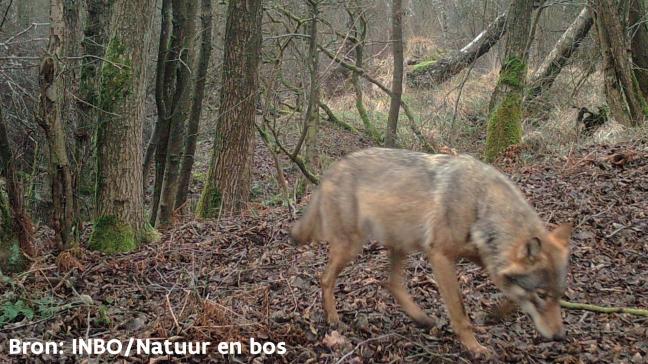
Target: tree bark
[
  {"x": 52, "y": 83},
  {"x": 505, "y": 122},
  {"x": 568, "y": 43},
  {"x": 311, "y": 119},
  {"x": 359, "y": 28},
  {"x": 622, "y": 91},
  {"x": 93, "y": 44},
  {"x": 184, "y": 13},
  {"x": 21, "y": 224},
  {"x": 164, "y": 83},
  {"x": 191, "y": 136},
  {"x": 228, "y": 183},
  {"x": 119, "y": 221},
  {"x": 638, "y": 21},
  {"x": 397, "y": 79},
  {"x": 434, "y": 72}
]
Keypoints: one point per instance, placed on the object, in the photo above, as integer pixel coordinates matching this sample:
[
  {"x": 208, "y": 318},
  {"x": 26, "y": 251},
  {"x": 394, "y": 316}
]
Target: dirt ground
[{"x": 240, "y": 277}]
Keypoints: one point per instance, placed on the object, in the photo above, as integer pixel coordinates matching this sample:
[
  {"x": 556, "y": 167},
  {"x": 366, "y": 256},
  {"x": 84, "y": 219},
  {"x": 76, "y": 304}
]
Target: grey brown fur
[{"x": 447, "y": 207}]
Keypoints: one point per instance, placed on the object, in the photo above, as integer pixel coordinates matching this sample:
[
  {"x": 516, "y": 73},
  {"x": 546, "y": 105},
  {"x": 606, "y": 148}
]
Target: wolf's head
[{"x": 536, "y": 278}]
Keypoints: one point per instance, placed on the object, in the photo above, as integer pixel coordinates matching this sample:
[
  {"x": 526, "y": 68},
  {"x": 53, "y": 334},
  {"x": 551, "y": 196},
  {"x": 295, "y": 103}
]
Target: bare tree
[
  {"x": 638, "y": 23},
  {"x": 119, "y": 221},
  {"x": 20, "y": 223},
  {"x": 228, "y": 182},
  {"x": 52, "y": 82},
  {"x": 397, "y": 79},
  {"x": 623, "y": 94},
  {"x": 196, "y": 107},
  {"x": 568, "y": 43}
]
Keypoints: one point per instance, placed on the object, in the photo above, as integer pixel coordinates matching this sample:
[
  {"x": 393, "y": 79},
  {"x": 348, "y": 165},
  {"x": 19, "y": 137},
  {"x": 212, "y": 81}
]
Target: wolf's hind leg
[
  {"x": 398, "y": 290},
  {"x": 340, "y": 254},
  {"x": 446, "y": 277}
]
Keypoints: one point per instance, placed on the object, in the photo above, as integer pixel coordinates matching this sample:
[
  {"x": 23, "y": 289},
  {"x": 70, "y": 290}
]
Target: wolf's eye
[{"x": 542, "y": 294}]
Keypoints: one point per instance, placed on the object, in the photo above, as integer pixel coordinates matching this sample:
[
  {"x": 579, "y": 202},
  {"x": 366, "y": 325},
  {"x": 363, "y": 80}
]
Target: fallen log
[{"x": 432, "y": 73}]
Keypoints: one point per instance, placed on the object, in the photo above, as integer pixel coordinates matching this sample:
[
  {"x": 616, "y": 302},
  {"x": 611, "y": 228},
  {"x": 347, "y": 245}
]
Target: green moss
[
  {"x": 116, "y": 76},
  {"x": 513, "y": 72},
  {"x": 209, "y": 202},
  {"x": 110, "y": 235},
  {"x": 11, "y": 258},
  {"x": 150, "y": 234},
  {"x": 504, "y": 126},
  {"x": 423, "y": 66}
]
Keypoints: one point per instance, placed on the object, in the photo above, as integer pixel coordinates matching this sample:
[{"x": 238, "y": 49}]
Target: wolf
[{"x": 447, "y": 207}]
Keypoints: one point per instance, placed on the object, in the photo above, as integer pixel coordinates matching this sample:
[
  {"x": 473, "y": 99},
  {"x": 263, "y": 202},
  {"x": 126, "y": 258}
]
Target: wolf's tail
[{"x": 305, "y": 228}]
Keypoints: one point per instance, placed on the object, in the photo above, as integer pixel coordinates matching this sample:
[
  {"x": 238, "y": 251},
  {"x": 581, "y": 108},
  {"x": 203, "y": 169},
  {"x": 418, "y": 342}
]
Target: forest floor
[{"x": 240, "y": 277}]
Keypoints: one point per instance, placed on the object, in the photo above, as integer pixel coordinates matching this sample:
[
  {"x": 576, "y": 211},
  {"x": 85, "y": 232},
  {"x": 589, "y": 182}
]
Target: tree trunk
[
  {"x": 434, "y": 72},
  {"x": 184, "y": 14},
  {"x": 191, "y": 136},
  {"x": 622, "y": 91},
  {"x": 164, "y": 83},
  {"x": 228, "y": 183},
  {"x": 505, "y": 121},
  {"x": 94, "y": 41},
  {"x": 52, "y": 83},
  {"x": 311, "y": 119},
  {"x": 119, "y": 220},
  {"x": 397, "y": 79},
  {"x": 638, "y": 21},
  {"x": 359, "y": 28},
  {"x": 20, "y": 222},
  {"x": 550, "y": 68}
]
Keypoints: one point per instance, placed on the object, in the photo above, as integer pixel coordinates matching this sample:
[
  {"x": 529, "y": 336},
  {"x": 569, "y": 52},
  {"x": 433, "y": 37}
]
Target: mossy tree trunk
[
  {"x": 638, "y": 23},
  {"x": 119, "y": 218},
  {"x": 228, "y": 184},
  {"x": 18, "y": 221},
  {"x": 52, "y": 83},
  {"x": 624, "y": 98},
  {"x": 93, "y": 44},
  {"x": 184, "y": 13},
  {"x": 191, "y": 136},
  {"x": 397, "y": 77},
  {"x": 505, "y": 121}
]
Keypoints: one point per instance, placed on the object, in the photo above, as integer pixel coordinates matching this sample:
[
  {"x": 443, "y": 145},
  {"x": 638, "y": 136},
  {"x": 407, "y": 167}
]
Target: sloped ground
[{"x": 240, "y": 277}]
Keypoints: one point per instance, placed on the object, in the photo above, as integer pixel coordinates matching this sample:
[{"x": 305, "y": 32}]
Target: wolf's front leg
[{"x": 446, "y": 277}]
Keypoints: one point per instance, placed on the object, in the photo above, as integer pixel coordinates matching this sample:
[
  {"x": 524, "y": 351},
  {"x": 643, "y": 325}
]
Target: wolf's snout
[{"x": 560, "y": 335}]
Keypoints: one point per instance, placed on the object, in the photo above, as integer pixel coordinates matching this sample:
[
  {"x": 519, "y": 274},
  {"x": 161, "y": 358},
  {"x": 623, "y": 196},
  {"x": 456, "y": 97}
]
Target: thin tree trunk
[
  {"x": 21, "y": 223},
  {"x": 184, "y": 12},
  {"x": 360, "y": 34},
  {"x": 397, "y": 79},
  {"x": 119, "y": 221},
  {"x": 191, "y": 136},
  {"x": 638, "y": 22},
  {"x": 311, "y": 119},
  {"x": 228, "y": 183},
  {"x": 568, "y": 43},
  {"x": 52, "y": 107},
  {"x": 622, "y": 91},
  {"x": 164, "y": 79},
  {"x": 434, "y": 72},
  {"x": 93, "y": 43},
  {"x": 505, "y": 121}
]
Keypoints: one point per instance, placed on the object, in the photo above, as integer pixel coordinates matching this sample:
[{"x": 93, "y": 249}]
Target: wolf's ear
[{"x": 562, "y": 233}]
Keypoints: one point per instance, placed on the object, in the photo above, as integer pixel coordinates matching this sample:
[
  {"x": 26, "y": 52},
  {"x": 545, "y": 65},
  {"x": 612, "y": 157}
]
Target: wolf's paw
[
  {"x": 425, "y": 322},
  {"x": 479, "y": 351}
]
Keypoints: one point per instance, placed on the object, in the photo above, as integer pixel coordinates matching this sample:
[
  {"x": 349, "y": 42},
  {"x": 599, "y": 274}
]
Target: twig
[
  {"x": 602, "y": 309},
  {"x": 360, "y": 344}
]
